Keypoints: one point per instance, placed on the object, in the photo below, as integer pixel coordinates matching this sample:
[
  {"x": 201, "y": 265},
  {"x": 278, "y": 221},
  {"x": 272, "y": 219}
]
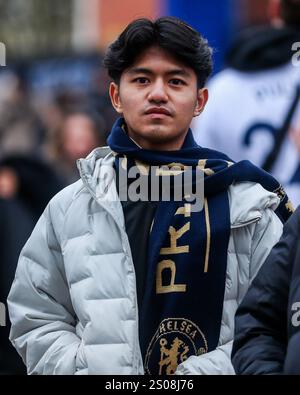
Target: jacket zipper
[{"x": 242, "y": 224}]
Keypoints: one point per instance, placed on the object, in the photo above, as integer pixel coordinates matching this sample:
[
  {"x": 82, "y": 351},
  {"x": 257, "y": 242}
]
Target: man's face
[{"x": 158, "y": 97}]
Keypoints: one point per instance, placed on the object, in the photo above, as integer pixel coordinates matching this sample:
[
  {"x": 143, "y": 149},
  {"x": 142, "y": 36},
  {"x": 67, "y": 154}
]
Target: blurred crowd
[{"x": 41, "y": 136}]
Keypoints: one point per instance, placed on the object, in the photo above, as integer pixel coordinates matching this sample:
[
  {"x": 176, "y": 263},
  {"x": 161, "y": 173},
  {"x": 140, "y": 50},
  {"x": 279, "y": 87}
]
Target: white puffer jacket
[{"x": 73, "y": 303}]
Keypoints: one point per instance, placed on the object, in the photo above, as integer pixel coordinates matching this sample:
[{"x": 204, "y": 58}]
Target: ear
[
  {"x": 114, "y": 93},
  {"x": 202, "y": 97}
]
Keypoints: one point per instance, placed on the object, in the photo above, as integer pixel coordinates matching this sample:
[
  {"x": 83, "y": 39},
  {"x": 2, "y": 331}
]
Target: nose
[{"x": 158, "y": 92}]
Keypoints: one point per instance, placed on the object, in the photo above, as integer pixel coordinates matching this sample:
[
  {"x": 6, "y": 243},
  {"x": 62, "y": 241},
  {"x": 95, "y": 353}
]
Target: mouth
[{"x": 158, "y": 112}]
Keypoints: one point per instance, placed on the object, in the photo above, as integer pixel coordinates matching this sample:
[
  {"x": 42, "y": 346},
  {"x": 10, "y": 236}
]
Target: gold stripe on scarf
[
  {"x": 202, "y": 166},
  {"x": 208, "y": 237}
]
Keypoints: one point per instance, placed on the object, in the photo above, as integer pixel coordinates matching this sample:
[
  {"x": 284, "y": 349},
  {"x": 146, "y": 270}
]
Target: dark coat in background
[
  {"x": 37, "y": 185},
  {"x": 267, "y": 326}
]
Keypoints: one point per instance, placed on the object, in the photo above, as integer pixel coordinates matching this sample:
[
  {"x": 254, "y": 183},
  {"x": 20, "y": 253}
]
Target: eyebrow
[{"x": 142, "y": 70}]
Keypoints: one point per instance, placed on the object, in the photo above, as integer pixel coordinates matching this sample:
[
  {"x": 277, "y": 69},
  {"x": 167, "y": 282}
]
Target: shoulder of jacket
[
  {"x": 248, "y": 201},
  {"x": 63, "y": 199}
]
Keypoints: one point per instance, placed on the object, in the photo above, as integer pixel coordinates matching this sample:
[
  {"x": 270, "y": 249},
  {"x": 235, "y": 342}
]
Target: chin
[
  {"x": 158, "y": 130},
  {"x": 156, "y": 133}
]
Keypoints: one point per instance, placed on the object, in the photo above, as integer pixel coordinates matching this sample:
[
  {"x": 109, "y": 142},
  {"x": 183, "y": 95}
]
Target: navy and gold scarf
[{"x": 187, "y": 259}]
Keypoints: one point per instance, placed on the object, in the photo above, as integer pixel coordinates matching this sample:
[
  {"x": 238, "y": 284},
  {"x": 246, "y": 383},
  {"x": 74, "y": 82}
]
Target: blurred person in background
[
  {"x": 267, "y": 323},
  {"x": 79, "y": 132},
  {"x": 254, "y": 110},
  {"x": 107, "y": 285},
  {"x": 26, "y": 186},
  {"x": 27, "y": 183},
  {"x": 21, "y": 128},
  {"x": 54, "y": 109}
]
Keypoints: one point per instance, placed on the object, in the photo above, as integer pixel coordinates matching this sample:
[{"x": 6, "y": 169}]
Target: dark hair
[
  {"x": 290, "y": 11},
  {"x": 170, "y": 34}
]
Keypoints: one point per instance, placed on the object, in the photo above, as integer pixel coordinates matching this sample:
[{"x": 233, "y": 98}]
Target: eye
[
  {"x": 177, "y": 82},
  {"x": 141, "y": 80}
]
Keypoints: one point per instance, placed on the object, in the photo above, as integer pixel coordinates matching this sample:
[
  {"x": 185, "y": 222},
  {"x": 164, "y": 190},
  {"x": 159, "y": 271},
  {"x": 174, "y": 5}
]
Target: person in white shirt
[{"x": 255, "y": 99}]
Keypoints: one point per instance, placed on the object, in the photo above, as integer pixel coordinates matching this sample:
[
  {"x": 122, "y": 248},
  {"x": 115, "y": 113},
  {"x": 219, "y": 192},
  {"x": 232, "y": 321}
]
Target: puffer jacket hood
[{"x": 262, "y": 48}]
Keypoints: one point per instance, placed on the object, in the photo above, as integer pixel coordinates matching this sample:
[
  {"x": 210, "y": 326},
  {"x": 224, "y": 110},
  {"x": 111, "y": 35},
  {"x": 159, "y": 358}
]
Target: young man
[{"x": 137, "y": 286}]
